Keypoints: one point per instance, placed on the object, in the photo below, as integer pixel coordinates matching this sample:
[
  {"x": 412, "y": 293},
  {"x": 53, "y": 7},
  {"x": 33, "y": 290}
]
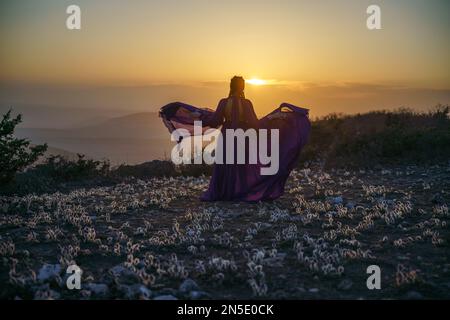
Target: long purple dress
[{"x": 244, "y": 182}]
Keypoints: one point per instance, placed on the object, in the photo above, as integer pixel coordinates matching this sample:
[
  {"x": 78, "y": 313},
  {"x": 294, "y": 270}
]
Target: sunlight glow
[{"x": 256, "y": 82}]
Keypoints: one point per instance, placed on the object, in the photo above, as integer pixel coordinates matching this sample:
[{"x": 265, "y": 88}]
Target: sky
[{"x": 137, "y": 55}]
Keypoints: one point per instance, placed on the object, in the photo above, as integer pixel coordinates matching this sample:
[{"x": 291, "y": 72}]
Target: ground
[{"x": 155, "y": 239}]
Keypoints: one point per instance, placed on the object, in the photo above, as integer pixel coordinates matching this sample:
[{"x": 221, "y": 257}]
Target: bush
[
  {"x": 381, "y": 137},
  {"x": 61, "y": 169},
  {"x": 57, "y": 173},
  {"x": 15, "y": 154}
]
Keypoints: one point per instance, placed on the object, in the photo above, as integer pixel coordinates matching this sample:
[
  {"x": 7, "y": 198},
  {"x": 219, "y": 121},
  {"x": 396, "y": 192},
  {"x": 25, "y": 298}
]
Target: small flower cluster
[
  {"x": 441, "y": 210},
  {"x": 7, "y": 247},
  {"x": 257, "y": 277},
  {"x": 372, "y": 191},
  {"x": 318, "y": 256},
  {"x": 405, "y": 275}
]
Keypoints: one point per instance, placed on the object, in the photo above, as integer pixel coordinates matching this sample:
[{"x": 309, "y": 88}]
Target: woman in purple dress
[{"x": 233, "y": 181}]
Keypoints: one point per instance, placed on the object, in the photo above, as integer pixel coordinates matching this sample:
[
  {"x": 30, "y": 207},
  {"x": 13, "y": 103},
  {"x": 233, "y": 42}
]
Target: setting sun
[{"x": 256, "y": 82}]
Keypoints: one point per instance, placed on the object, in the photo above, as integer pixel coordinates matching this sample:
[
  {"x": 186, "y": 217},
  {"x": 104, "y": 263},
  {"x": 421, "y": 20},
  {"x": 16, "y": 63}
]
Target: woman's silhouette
[{"x": 244, "y": 182}]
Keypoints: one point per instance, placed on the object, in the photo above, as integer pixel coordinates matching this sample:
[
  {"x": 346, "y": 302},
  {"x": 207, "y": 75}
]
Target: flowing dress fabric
[{"x": 244, "y": 182}]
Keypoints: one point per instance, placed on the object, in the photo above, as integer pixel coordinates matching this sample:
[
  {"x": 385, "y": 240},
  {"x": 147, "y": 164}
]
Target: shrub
[
  {"x": 61, "y": 169},
  {"x": 380, "y": 137},
  {"x": 57, "y": 173}
]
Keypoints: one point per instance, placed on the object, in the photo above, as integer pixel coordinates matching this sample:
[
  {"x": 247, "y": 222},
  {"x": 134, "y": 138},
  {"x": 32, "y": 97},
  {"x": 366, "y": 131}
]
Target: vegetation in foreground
[{"x": 153, "y": 239}]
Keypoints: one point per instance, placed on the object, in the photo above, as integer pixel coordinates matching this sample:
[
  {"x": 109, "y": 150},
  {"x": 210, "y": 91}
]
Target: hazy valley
[{"x": 131, "y": 139}]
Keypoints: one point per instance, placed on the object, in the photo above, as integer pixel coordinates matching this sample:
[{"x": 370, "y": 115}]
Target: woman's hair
[{"x": 237, "y": 86}]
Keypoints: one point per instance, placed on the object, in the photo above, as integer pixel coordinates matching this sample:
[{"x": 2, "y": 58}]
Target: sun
[{"x": 256, "y": 82}]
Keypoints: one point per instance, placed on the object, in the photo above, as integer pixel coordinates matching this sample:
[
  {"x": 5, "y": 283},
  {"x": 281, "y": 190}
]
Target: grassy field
[{"x": 154, "y": 239}]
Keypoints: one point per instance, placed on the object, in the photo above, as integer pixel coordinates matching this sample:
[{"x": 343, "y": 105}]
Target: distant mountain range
[{"x": 130, "y": 139}]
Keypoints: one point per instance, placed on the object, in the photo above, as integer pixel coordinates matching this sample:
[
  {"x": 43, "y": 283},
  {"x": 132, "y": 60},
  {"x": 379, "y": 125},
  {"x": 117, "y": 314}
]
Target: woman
[{"x": 244, "y": 182}]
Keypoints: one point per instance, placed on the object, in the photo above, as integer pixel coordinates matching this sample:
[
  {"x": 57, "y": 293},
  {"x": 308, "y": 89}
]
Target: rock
[
  {"x": 345, "y": 284},
  {"x": 144, "y": 293},
  {"x": 338, "y": 200},
  {"x": 195, "y": 295},
  {"x": 265, "y": 226},
  {"x": 350, "y": 205},
  {"x": 165, "y": 297},
  {"x": 49, "y": 271},
  {"x": 187, "y": 286},
  {"x": 136, "y": 291},
  {"x": 313, "y": 290},
  {"x": 413, "y": 295},
  {"x": 124, "y": 275},
  {"x": 99, "y": 289},
  {"x": 119, "y": 270}
]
